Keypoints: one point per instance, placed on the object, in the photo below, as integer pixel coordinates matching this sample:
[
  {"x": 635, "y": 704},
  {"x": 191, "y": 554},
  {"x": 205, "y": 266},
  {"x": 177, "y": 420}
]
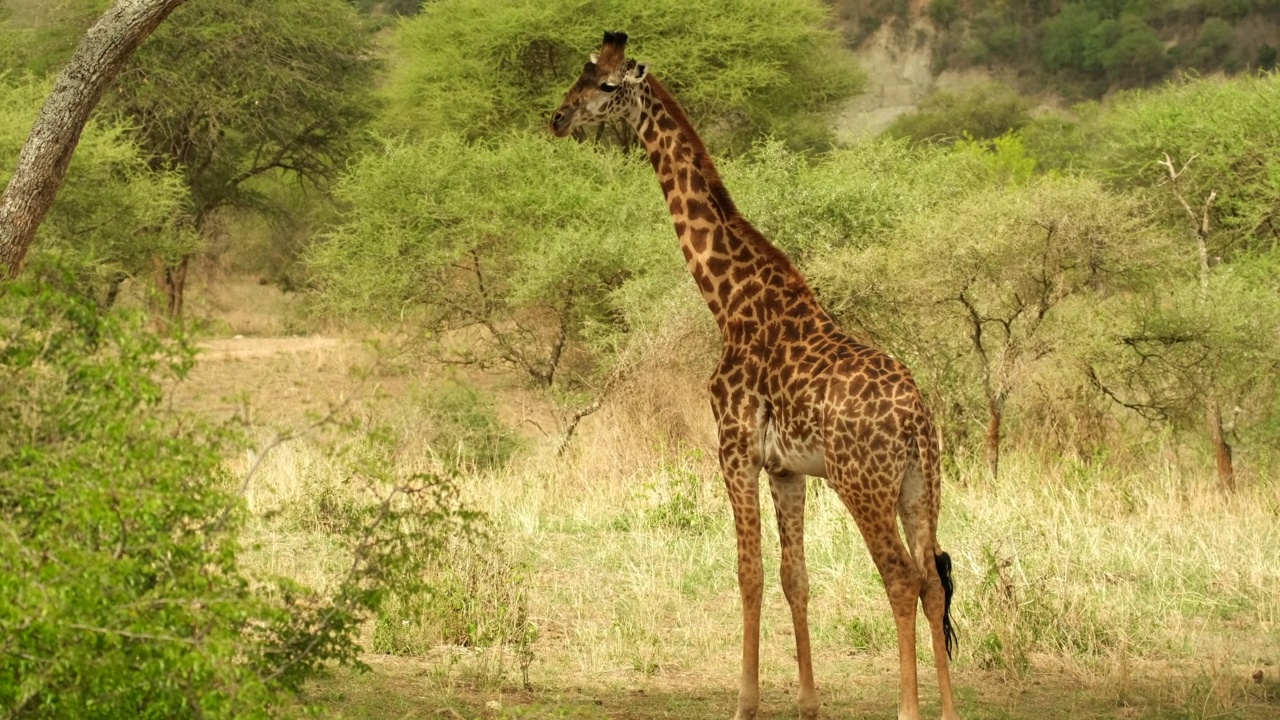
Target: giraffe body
[{"x": 792, "y": 395}]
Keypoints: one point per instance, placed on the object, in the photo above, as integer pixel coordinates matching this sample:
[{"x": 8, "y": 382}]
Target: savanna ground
[{"x": 605, "y": 587}]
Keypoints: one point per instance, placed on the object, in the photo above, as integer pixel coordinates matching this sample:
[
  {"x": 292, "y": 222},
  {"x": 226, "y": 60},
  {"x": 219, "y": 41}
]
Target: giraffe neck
[{"x": 729, "y": 259}]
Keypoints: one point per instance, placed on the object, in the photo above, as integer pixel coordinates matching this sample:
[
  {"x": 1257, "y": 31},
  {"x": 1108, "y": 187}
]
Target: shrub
[
  {"x": 1063, "y": 38},
  {"x": 524, "y": 244},
  {"x": 466, "y": 431},
  {"x": 119, "y": 559},
  {"x": 1228, "y": 127},
  {"x": 982, "y": 112},
  {"x": 477, "y": 598},
  {"x": 119, "y": 574},
  {"x": 944, "y": 12},
  {"x": 1213, "y": 44}
]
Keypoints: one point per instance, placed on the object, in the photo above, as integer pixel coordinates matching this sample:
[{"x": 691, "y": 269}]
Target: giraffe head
[{"x": 606, "y": 89}]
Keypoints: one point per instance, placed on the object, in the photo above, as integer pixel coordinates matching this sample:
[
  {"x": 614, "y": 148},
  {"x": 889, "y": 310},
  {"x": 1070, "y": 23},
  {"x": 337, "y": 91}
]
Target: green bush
[
  {"x": 465, "y": 430},
  {"x": 1063, "y": 38},
  {"x": 944, "y": 12},
  {"x": 982, "y": 112},
  {"x": 1129, "y": 51},
  {"x": 527, "y": 244},
  {"x": 474, "y": 596},
  {"x": 122, "y": 594},
  {"x": 1212, "y": 46},
  {"x": 120, "y": 567},
  {"x": 1228, "y": 127}
]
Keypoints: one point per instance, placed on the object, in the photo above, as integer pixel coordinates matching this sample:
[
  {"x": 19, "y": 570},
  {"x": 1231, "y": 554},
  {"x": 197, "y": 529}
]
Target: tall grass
[{"x": 615, "y": 564}]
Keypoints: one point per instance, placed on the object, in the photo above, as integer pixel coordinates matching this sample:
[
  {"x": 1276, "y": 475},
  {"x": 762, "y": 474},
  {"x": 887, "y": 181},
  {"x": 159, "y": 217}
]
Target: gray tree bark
[{"x": 42, "y": 166}]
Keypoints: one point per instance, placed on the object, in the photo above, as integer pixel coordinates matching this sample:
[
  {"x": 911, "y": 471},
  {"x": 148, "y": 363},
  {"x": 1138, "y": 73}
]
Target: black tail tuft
[{"x": 943, "y": 561}]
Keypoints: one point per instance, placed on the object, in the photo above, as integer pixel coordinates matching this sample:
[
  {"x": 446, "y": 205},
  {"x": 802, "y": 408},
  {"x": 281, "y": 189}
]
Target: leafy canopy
[
  {"x": 227, "y": 90},
  {"x": 113, "y": 213},
  {"x": 527, "y": 240},
  {"x": 1227, "y": 133},
  {"x": 479, "y": 68}
]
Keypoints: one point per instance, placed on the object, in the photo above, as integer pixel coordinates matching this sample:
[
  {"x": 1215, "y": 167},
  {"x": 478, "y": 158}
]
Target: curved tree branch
[{"x": 42, "y": 165}]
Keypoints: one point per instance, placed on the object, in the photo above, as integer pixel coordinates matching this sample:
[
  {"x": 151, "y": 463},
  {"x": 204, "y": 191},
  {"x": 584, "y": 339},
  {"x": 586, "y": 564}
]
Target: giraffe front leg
[
  {"x": 788, "y": 502},
  {"x": 741, "y": 469},
  {"x": 751, "y": 587}
]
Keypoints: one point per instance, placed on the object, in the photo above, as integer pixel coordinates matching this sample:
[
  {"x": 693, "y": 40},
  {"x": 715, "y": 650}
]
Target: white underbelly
[{"x": 793, "y": 456}]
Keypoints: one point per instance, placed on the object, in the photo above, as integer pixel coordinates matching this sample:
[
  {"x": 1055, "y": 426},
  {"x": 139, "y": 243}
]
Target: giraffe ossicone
[{"x": 792, "y": 395}]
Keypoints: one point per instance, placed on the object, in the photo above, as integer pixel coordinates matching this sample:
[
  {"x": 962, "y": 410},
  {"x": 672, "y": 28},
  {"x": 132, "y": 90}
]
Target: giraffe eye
[{"x": 608, "y": 87}]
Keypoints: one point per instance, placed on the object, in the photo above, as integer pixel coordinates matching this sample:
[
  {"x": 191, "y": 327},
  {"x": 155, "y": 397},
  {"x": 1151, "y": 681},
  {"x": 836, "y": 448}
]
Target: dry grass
[{"x": 1083, "y": 590}]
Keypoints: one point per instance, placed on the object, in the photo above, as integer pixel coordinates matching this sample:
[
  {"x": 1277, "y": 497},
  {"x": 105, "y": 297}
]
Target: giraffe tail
[{"x": 943, "y": 563}]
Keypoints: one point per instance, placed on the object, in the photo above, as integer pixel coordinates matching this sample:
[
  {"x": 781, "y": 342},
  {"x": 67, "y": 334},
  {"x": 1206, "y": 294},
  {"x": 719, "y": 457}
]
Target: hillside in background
[{"x": 1084, "y": 47}]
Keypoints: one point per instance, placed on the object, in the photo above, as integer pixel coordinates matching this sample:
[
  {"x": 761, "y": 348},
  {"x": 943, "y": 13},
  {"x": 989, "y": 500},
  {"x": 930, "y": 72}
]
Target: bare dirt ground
[{"x": 859, "y": 685}]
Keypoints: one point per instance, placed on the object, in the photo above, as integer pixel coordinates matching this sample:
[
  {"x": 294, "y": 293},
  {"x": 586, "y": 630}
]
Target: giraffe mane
[{"x": 718, "y": 191}]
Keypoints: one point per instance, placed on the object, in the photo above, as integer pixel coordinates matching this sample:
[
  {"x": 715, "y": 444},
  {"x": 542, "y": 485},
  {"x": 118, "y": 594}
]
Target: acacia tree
[
  {"x": 235, "y": 90},
  {"x": 1207, "y": 344},
  {"x": 480, "y": 68},
  {"x": 496, "y": 252},
  {"x": 1204, "y": 349},
  {"x": 984, "y": 289},
  {"x": 113, "y": 213},
  {"x": 43, "y": 163}
]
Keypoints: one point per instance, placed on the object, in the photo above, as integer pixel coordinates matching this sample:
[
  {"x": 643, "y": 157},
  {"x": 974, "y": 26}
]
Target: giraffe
[{"x": 792, "y": 395}]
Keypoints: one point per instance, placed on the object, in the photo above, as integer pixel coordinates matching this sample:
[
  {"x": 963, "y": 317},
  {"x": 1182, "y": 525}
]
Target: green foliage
[
  {"x": 1064, "y": 38},
  {"x": 120, "y": 566},
  {"x": 1266, "y": 58},
  {"x": 226, "y": 90},
  {"x": 113, "y": 213},
  {"x": 850, "y": 197},
  {"x": 982, "y": 112},
  {"x": 480, "y": 68},
  {"x": 1228, "y": 128},
  {"x": 1213, "y": 45},
  {"x": 1123, "y": 49},
  {"x": 119, "y": 573},
  {"x": 525, "y": 246},
  {"x": 678, "y": 498},
  {"x": 1006, "y": 158},
  {"x": 389, "y": 7},
  {"x": 465, "y": 430},
  {"x": 972, "y": 295},
  {"x": 1060, "y": 141},
  {"x": 944, "y": 12},
  {"x": 39, "y": 37},
  {"x": 1187, "y": 344},
  {"x": 998, "y": 35},
  {"x": 1129, "y": 51}
]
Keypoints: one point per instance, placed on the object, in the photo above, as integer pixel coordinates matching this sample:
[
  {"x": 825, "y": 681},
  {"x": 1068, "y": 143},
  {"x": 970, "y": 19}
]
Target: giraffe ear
[
  {"x": 638, "y": 72},
  {"x": 595, "y": 58}
]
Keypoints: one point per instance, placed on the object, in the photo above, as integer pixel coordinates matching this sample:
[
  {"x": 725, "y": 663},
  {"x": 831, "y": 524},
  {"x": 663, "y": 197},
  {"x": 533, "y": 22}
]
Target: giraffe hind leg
[
  {"x": 920, "y": 528},
  {"x": 877, "y": 520},
  {"x": 788, "y": 501}
]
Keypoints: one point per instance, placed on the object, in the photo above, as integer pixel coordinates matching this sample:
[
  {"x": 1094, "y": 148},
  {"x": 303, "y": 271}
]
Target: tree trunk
[
  {"x": 1221, "y": 449},
  {"x": 995, "y": 409},
  {"x": 171, "y": 281},
  {"x": 42, "y": 165}
]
